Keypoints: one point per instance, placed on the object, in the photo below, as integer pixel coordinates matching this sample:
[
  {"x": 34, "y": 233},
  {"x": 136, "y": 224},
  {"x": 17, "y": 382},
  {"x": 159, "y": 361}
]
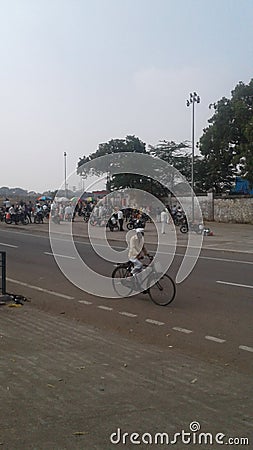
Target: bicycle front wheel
[
  {"x": 163, "y": 291},
  {"x": 120, "y": 274}
]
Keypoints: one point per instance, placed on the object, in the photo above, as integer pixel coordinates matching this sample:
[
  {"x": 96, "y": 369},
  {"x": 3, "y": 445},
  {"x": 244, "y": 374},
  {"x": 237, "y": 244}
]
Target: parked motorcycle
[
  {"x": 197, "y": 227},
  {"x": 16, "y": 218},
  {"x": 38, "y": 217},
  {"x": 86, "y": 216},
  {"x": 179, "y": 218},
  {"x": 136, "y": 223},
  {"x": 113, "y": 224}
]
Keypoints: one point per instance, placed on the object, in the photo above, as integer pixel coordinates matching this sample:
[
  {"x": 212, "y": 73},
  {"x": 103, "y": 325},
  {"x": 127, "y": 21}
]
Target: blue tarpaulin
[{"x": 241, "y": 187}]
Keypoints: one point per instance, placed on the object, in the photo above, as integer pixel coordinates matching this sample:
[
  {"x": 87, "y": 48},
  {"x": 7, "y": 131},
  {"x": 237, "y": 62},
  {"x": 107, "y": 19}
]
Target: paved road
[
  {"x": 68, "y": 386},
  {"x": 76, "y": 368},
  {"x": 210, "y": 317}
]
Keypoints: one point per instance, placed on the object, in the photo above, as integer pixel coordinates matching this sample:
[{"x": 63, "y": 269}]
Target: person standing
[
  {"x": 164, "y": 219},
  {"x": 158, "y": 214},
  {"x": 120, "y": 219}
]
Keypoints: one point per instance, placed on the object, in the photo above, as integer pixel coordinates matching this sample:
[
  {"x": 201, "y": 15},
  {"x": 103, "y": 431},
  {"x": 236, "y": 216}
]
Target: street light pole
[
  {"x": 65, "y": 172},
  {"x": 194, "y": 98}
]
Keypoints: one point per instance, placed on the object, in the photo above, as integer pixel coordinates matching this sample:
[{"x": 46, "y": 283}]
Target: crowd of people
[
  {"x": 99, "y": 213},
  {"x": 36, "y": 212}
]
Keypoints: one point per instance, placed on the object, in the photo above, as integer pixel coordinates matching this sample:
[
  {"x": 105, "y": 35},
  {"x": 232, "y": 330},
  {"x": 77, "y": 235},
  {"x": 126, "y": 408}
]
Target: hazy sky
[{"x": 75, "y": 73}]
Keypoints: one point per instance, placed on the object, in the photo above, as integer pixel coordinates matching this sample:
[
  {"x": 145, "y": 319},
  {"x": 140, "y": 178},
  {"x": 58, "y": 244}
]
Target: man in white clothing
[
  {"x": 137, "y": 250},
  {"x": 121, "y": 220},
  {"x": 164, "y": 219}
]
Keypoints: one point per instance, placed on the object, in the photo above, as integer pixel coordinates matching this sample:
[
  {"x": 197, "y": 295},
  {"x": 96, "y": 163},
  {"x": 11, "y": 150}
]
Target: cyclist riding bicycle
[{"x": 137, "y": 250}]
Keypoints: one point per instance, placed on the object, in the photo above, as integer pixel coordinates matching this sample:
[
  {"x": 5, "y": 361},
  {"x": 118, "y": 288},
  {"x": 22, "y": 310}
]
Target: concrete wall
[
  {"x": 236, "y": 210},
  {"x": 227, "y": 209}
]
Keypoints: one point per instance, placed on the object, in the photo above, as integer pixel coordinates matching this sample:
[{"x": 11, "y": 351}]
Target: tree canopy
[
  {"x": 129, "y": 144},
  {"x": 169, "y": 151},
  {"x": 226, "y": 150},
  {"x": 227, "y": 143}
]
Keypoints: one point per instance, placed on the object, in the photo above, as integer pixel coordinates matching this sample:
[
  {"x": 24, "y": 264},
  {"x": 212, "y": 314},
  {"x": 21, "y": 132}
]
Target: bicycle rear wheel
[{"x": 163, "y": 291}]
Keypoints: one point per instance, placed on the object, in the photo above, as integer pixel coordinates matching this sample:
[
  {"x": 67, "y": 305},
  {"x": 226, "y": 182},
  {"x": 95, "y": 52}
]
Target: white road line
[
  {"x": 163, "y": 253},
  {"x": 224, "y": 259},
  {"x": 182, "y": 330},
  {"x": 106, "y": 308},
  {"x": 8, "y": 245},
  {"x": 215, "y": 339},
  {"x": 37, "y": 288},
  {"x": 61, "y": 256},
  {"x": 235, "y": 284},
  {"x": 124, "y": 313},
  {"x": 85, "y": 302},
  {"x": 154, "y": 322},
  {"x": 244, "y": 347}
]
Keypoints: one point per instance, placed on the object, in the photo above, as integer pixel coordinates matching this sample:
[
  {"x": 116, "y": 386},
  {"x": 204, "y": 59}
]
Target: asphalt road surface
[
  {"x": 211, "y": 316},
  {"x": 82, "y": 372}
]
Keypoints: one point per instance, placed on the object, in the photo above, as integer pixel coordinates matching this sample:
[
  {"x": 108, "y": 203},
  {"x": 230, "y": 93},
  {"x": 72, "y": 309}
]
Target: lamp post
[
  {"x": 83, "y": 184},
  {"x": 194, "y": 98},
  {"x": 65, "y": 172}
]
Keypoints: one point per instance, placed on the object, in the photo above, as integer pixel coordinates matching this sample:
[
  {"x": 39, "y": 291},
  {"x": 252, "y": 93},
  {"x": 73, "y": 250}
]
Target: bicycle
[{"x": 162, "y": 291}]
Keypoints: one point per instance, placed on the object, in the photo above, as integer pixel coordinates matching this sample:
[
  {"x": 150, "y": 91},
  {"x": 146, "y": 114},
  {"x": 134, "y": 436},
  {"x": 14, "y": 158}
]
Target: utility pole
[{"x": 194, "y": 98}]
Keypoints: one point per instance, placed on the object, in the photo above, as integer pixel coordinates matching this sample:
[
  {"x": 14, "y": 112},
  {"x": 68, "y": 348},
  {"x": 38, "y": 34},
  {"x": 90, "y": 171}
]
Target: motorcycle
[
  {"x": 86, "y": 216},
  {"x": 16, "y": 218},
  {"x": 136, "y": 223},
  {"x": 113, "y": 224},
  {"x": 196, "y": 227},
  {"x": 38, "y": 217},
  {"x": 2, "y": 214},
  {"x": 178, "y": 218}
]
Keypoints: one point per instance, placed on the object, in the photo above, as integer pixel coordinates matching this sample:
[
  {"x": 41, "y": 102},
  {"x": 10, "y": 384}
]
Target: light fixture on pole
[
  {"x": 194, "y": 98},
  {"x": 65, "y": 172}
]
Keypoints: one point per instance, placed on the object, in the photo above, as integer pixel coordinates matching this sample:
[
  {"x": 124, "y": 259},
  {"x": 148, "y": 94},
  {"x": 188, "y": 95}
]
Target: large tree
[
  {"x": 129, "y": 144},
  {"x": 175, "y": 154},
  {"x": 169, "y": 151},
  {"x": 227, "y": 143}
]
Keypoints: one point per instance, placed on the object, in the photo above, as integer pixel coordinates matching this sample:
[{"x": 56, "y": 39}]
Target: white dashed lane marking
[
  {"x": 157, "y": 322},
  {"x": 235, "y": 284},
  {"x": 124, "y": 313},
  {"x": 215, "y": 339},
  {"x": 154, "y": 322},
  {"x": 182, "y": 330},
  {"x": 106, "y": 308},
  {"x": 85, "y": 302},
  {"x": 244, "y": 347}
]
